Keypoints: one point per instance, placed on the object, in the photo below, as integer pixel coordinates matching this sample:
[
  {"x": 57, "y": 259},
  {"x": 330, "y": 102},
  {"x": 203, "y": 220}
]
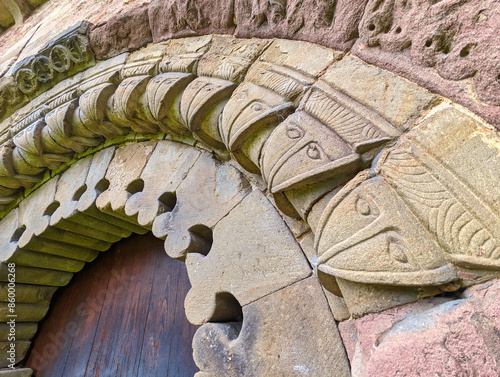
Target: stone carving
[
  {"x": 11, "y": 98},
  {"x": 423, "y": 216},
  {"x": 127, "y": 164},
  {"x": 176, "y": 18},
  {"x": 264, "y": 257},
  {"x": 330, "y": 23},
  {"x": 161, "y": 182},
  {"x": 272, "y": 88},
  {"x": 301, "y": 338},
  {"x": 453, "y": 39},
  {"x": 124, "y": 31},
  {"x": 67, "y": 53},
  {"x": 188, "y": 227}
]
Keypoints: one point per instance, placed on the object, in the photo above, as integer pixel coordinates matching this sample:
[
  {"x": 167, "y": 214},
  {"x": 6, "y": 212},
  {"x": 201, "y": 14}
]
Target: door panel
[{"x": 122, "y": 315}]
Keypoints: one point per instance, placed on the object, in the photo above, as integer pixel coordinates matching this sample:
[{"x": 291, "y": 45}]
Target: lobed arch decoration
[{"x": 389, "y": 194}]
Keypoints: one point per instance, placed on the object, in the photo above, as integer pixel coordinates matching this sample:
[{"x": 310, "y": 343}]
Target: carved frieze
[{"x": 67, "y": 53}]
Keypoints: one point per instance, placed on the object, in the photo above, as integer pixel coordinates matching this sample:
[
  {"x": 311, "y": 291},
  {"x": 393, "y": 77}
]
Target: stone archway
[{"x": 393, "y": 181}]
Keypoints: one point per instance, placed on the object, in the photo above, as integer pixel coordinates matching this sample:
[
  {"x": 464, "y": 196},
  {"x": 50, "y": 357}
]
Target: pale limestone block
[
  {"x": 124, "y": 176},
  {"x": 70, "y": 187},
  {"x": 253, "y": 254},
  {"x": 307, "y": 58},
  {"x": 446, "y": 173},
  {"x": 399, "y": 101},
  {"x": 95, "y": 181},
  {"x": 35, "y": 211},
  {"x": 167, "y": 167},
  {"x": 288, "y": 333},
  {"x": 207, "y": 194},
  {"x": 9, "y": 234}
]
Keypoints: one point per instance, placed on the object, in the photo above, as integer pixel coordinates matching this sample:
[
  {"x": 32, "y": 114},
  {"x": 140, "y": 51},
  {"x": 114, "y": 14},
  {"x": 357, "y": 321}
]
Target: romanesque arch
[{"x": 388, "y": 189}]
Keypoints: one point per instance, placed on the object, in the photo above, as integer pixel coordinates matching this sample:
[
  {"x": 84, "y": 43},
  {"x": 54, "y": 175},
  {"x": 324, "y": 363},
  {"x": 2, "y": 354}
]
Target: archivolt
[{"x": 280, "y": 108}]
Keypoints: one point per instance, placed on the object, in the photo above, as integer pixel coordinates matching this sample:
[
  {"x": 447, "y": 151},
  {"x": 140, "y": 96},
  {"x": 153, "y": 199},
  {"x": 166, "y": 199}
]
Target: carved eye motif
[
  {"x": 294, "y": 132},
  {"x": 366, "y": 207},
  {"x": 363, "y": 207},
  {"x": 396, "y": 248},
  {"x": 257, "y": 107},
  {"x": 209, "y": 88},
  {"x": 313, "y": 151}
]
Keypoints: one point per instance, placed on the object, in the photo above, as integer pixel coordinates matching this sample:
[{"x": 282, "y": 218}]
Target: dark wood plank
[{"x": 126, "y": 314}]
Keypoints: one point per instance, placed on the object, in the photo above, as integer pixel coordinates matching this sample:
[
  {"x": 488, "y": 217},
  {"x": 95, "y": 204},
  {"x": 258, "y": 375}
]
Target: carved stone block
[
  {"x": 209, "y": 191},
  {"x": 263, "y": 258},
  {"x": 445, "y": 46},
  {"x": 125, "y": 31},
  {"x": 167, "y": 167},
  {"x": 175, "y": 18},
  {"x": 439, "y": 171},
  {"x": 201, "y": 105},
  {"x": 183, "y": 55},
  {"x": 229, "y": 58},
  {"x": 64, "y": 55},
  {"x": 287, "y": 333},
  {"x": 395, "y": 99},
  {"x": 329, "y": 23},
  {"x": 124, "y": 176}
]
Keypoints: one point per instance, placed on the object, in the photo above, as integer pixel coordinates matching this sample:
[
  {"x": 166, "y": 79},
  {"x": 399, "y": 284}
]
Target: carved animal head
[{"x": 369, "y": 235}]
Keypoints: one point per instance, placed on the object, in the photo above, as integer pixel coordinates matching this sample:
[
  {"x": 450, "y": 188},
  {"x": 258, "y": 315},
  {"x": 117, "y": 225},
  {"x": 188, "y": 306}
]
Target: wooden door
[{"x": 123, "y": 315}]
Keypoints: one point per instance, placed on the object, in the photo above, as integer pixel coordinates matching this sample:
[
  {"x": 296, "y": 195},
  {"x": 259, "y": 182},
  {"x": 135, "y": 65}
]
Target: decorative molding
[{"x": 392, "y": 192}]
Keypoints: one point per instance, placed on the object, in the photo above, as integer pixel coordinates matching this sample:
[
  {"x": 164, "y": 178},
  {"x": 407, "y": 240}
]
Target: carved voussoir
[
  {"x": 162, "y": 100},
  {"x": 370, "y": 236},
  {"x": 249, "y": 266},
  {"x": 272, "y": 89},
  {"x": 201, "y": 105},
  {"x": 287, "y": 333},
  {"x": 229, "y": 58},
  {"x": 207, "y": 194},
  {"x": 444, "y": 182},
  {"x": 124, "y": 177},
  {"x": 123, "y": 104},
  {"x": 161, "y": 181}
]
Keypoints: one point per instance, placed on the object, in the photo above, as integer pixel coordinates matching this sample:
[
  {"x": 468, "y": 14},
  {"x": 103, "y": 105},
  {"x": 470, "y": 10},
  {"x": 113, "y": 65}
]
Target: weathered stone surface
[
  {"x": 251, "y": 256},
  {"x": 206, "y": 195},
  {"x": 167, "y": 167},
  {"x": 273, "y": 87},
  {"x": 434, "y": 336},
  {"x": 399, "y": 101},
  {"x": 31, "y": 294},
  {"x": 449, "y": 47},
  {"x": 126, "y": 31},
  {"x": 330, "y": 23},
  {"x": 66, "y": 54},
  {"x": 440, "y": 172},
  {"x": 11, "y": 98},
  {"x": 177, "y": 18},
  {"x": 124, "y": 176},
  {"x": 288, "y": 333}
]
